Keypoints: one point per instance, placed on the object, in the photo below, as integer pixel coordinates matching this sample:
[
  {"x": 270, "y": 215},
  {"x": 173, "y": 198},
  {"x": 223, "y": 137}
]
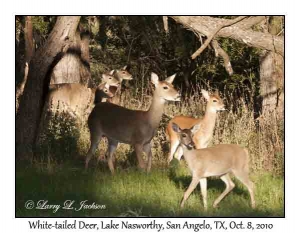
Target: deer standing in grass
[
  {"x": 220, "y": 160},
  {"x": 204, "y": 135},
  {"x": 133, "y": 127}
]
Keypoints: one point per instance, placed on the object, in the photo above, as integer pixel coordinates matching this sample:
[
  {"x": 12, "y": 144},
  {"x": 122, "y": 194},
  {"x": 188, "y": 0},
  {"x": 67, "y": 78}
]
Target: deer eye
[
  {"x": 123, "y": 72},
  {"x": 109, "y": 77},
  {"x": 165, "y": 87},
  {"x": 215, "y": 101},
  {"x": 184, "y": 135},
  {"x": 105, "y": 91}
]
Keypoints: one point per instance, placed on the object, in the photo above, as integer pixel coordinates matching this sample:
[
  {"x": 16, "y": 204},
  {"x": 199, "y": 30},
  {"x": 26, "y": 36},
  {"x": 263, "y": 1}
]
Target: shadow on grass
[
  {"x": 130, "y": 193},
  {"x": 74, "y": 184}
]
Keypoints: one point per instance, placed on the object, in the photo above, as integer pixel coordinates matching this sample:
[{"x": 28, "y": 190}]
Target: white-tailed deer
[
  {"x": 76, "y": 98},
  {"x": 220, "y": 160},
  {"x": 121, "y": 75},
  {"x": 103, "y": 93},
  {"x": 204, "y": 135},
  {"x": 132, "y": 127}
]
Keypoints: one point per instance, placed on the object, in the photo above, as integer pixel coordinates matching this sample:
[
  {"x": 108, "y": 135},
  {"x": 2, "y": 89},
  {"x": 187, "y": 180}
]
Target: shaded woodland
[{"x": 241, "y": 56}]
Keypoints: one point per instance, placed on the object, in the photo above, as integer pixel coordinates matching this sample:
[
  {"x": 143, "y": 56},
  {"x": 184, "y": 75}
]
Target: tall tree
[
  {"x": 29, "y": 51},
  {"x": 61, "y": 38},
  {"x": 271, "y": 71}
]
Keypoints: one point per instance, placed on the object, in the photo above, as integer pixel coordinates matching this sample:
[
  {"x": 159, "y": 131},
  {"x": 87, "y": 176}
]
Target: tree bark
[
  {"x": 272, "y": 74},
  {"x": 31, "y": 104},
  {"x": 29, "y": 47},
  {"x": 205, "y": 25},
  {"x": 29, "y": 50},
  {"x": 74, "y": 67}
]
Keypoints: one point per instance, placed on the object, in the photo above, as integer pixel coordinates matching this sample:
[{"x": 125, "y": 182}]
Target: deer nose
[{"x": 191, "y": 145}]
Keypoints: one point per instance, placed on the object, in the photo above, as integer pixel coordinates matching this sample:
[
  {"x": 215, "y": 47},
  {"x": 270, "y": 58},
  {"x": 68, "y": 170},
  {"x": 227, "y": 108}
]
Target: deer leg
[
  {"x": 173, "y": 147},
  {"x": 139, "y": 154},
  {"x": 190, "y": 189},
  {"x": 102, "y": 157},
  {"x": 112, "y": 146},
  {"x": 95, "y": 139},
  {"x": 229, "y": 186},
  {"x": 203, "y": 185},
  {"x": 244, "y": 178},
  {"x": 147, "y": 150}
]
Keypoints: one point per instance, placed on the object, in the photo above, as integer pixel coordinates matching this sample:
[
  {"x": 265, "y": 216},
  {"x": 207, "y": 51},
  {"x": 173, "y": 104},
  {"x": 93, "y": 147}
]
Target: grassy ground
[{"x": 134, "y": 193}]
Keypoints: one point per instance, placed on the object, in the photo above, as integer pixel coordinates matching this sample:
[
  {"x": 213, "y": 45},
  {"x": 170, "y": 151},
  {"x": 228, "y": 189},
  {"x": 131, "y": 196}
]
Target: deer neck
[
  {"x": 209, "y": 119},
  {"x": 118, "y": 90},
  {"x": 93, "y": 90},
  {"x": 188, "y": 156},
  {"x": 156, "y": 110},
  {"x": 120, "y": 80}
]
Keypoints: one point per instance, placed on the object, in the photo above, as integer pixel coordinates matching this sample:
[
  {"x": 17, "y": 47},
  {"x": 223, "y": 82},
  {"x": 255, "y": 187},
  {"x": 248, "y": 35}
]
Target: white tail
[
  {"x": 133, "y": 127},
  {"x": 204, "y": 135},
  {"x": 220, "y": 160}
]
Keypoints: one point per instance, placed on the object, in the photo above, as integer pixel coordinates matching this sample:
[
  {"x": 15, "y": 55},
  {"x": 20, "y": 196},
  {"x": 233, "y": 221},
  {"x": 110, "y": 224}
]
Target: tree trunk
[
  {"x": 29, "y": 47},
  {"x": 29, "y": 50},
  {"x": 74, "y": 66},
  {"x": 31, "y": 103},
  {"x": 272, "y": 74},
  {"x": 85, "y": 72}
]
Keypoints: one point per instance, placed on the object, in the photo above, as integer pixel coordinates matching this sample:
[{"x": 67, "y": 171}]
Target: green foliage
[
  {"x": 60, "y": 137},
  {"x": 41, "y": 25}
]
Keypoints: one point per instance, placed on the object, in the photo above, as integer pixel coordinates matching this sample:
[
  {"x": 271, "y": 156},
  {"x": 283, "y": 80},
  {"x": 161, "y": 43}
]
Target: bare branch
[
  {"x": 206, "y": 25},
  {"x": 224, "y": 55},
  {"x": 208, "y": 40}
]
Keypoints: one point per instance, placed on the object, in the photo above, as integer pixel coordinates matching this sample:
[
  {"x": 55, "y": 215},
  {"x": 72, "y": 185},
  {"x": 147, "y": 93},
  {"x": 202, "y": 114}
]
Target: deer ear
[
  {"x": 205, "y": 94},
  {"x": 112, "y": 72},
  {"x": 124, "y": 68},
  {"x": 195, "y": 128},
  {"x": 154, "y": 78},
  {"x": 106, "y": 85},
  {"x": 104, "y": 76},
  {"x": 170, "y": 79},
  {"x": 176, "y": 128}
]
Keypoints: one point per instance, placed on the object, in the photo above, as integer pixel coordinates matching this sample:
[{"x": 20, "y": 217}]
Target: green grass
[{"x": 131, "y": 192}]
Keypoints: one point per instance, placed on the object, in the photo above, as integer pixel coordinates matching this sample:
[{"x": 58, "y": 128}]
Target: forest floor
[{"x": 133, "y": 193}]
